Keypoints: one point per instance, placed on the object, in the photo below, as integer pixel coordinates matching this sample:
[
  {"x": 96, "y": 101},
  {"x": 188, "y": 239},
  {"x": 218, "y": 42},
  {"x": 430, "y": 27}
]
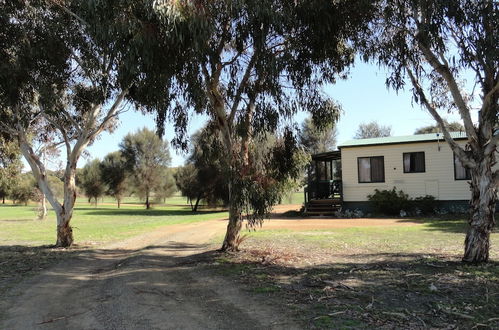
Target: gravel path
[{"x": 154, "y": 281}]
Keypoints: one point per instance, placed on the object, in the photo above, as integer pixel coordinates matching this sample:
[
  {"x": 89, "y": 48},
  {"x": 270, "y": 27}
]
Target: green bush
[
  {"x": 426, "y": 204},
  {"x": 389, "y": 201}
]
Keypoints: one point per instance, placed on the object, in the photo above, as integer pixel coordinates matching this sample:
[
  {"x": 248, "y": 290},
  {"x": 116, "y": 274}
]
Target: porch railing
[{"x": 330, "y": 189}]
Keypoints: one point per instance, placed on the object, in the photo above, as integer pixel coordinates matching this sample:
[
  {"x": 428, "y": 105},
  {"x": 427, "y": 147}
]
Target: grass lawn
[
  {"x": 25, "y": 242},
  {"x": 405, "y": 277},
  {"x": 176, "y": 199},
  {"x": 93, "y": 225}
]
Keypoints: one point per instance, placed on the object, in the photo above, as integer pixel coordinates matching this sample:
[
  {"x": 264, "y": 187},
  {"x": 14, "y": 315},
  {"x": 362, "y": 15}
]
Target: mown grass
[
  {"x": 393, "y": 277},
  {"x": 93, "y": 225},
  {"x": 424, "y": 236}
]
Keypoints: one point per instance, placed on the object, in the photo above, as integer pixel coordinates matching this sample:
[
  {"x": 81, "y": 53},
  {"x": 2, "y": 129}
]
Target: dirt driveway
[{"x": 152, "y": 281}]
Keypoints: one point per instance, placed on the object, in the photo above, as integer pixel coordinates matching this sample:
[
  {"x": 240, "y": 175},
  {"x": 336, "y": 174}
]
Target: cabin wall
[{"x": 437, "y": 180}]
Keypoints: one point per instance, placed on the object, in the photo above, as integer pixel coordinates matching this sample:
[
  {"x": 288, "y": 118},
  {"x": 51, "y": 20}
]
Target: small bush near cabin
[
  {"x": 426, "y": 204},
  {"x": 389, "y": 202}
]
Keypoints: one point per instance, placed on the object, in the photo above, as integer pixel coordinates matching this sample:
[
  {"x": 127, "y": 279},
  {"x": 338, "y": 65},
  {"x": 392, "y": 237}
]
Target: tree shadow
[
  {"x": 387, "y": 290},
  {"x": 379, "y": 290},
  {"x": 144, "y": 212}
]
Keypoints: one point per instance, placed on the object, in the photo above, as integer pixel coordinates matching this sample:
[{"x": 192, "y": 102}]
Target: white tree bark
[{"x": 88, "y": 130}]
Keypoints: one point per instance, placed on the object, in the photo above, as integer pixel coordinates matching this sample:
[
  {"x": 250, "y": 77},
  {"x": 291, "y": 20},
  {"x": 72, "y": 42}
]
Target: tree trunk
[
  {"x": 43, "y": 208},
  {"x": 231, "y": 241},
  {"x": 64, "y": 230},
  {"x": 148, "y": 205},
  {"x": 119, "y": 202},
  {"x": 197, "y": 204},
  {"x": 483, "y": 204},
  {"x": 3, "y": 200}
]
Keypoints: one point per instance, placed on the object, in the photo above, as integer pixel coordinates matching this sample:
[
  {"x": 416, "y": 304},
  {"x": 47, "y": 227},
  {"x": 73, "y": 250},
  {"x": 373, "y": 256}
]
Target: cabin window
[
  {"x": 460, "y": 172},
  {"x": 414, "y": 162},
  {"x": 371, "y": 169}
]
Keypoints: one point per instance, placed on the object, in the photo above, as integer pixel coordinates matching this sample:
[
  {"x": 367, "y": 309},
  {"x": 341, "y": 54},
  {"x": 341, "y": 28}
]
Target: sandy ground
[
  {"x": 153, "y": 281},
  {"x": 140, "y": 283}
]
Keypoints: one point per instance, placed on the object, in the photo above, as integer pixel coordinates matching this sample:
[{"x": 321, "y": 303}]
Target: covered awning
[{"x": 327, "y": 156}]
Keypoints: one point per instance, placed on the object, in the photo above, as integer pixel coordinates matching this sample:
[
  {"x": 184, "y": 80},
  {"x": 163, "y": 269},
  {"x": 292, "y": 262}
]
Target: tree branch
[
  {"x": 113, "y": 112},
  {"x": 444, "y": 71},
  {"x": 38, "y": 169},
  {"x": 242, "y": 86},
  {"x": 71, "y": 13},
  {"x": 463, "y": 157},
  {"x": 491, "y": 145},
  {"x": 487, "y": 100}
]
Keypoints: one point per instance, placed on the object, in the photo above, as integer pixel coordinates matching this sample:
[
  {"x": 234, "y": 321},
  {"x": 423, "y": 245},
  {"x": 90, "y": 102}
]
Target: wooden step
[{"x": 325, "y": 201}]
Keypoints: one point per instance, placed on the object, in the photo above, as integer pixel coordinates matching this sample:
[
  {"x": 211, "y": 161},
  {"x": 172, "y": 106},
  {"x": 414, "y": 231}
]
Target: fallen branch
[
  {"x": 60, "y": 318},
  {"x": 402, "y": 315},
  {"x": 464, "y": 316}
]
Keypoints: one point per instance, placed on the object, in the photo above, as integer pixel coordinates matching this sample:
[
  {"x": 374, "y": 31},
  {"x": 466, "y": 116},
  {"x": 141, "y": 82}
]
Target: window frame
[
  {"x": 467, "y": 177},
  {"x": 371, "y": 169},
  {"x": 414, "y": 152}
]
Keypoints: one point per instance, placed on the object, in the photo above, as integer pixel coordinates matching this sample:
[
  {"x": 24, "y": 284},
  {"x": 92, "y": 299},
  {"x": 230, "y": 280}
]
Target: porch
[{"x": 323, "y": 193}]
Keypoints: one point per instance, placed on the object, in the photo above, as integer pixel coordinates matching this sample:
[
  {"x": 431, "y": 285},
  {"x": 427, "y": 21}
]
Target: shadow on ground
[
  {"x": 376, "y": 290},
  {"x": 142, "y": 212},
  {"x": 383, "y": 290}
]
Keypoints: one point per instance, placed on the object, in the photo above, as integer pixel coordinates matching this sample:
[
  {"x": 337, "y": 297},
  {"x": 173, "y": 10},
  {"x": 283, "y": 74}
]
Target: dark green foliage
[
  {"x": 113, "y": 172},
  {"x": 389, "y": 202},
  {"x": 10, "y": 166},
  {"x": 372, "y": 130},
  {"x": 452, "y": 127},
  {"x": 314, "y": 140},
  {"x": 92, "y": 183},
  {"x": 204, "y": 177},
  {"x": 425, "y": 204},
  {"x": 187, "y": 182},
  {"x": 167, "y": 185},
  {"x": 23, "y": 190},
  {"x": 146, "y": 157}
]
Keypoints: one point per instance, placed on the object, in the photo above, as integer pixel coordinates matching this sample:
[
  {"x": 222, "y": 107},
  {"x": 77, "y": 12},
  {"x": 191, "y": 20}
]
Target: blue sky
[{"x": 363, "y": 96}]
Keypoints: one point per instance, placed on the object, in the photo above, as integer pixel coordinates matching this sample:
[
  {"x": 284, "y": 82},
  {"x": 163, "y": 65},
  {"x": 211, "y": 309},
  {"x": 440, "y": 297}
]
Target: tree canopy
[
  {"x": 10, "y": 167},
  {"x": 92, "y": 182},
  {"x": 315, "y": 140},
  {"x": 146, "y": 157},
  {"x": 372, "y": 130},
  {"x": 433, "y": 46},
  {"x": 258, "y": 65},
  {"x": 451, "y": 127},
  {"x": 114, "y": 175},
  {"x": 69, "y": 68}
]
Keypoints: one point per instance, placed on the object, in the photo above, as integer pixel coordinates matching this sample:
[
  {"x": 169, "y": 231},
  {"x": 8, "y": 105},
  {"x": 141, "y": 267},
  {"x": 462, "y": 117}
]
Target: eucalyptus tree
[
  {"x": 114, "y": 175},
  {"x": 436, "y": 45},
  {"x": 257, "y": 68},
  {"x": 92, "y": 183},
  {"x": 146, "y": 156},
  {"x": 208, "y": 157},
  {"x": 372, "y": 130},
  {"x": 166, "y": 186},
  {"x": 10, "y": 166},
  {"x": 451, "y": 127},
  {"x": 73, "y": 65},
  {"x": 187, "y": 182},
  {"x": 315, "y": 140}
]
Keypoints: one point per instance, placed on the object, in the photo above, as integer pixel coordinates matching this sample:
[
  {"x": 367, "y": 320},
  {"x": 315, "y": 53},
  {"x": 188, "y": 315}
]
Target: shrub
[
  {"x": 426, "y": 204},
  {"x": 389, "y": 201}
]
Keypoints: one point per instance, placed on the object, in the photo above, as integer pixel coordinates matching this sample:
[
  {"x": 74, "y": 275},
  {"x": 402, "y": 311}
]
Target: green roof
[{"x": 401, "y": 139}]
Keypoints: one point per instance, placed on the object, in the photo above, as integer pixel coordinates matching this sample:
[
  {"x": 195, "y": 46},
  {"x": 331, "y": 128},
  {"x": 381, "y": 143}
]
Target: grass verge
[{"x": 404, "y": 277}]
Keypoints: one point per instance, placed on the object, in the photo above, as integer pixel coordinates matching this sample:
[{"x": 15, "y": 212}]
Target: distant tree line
[{"x": 140, "y": 167}]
